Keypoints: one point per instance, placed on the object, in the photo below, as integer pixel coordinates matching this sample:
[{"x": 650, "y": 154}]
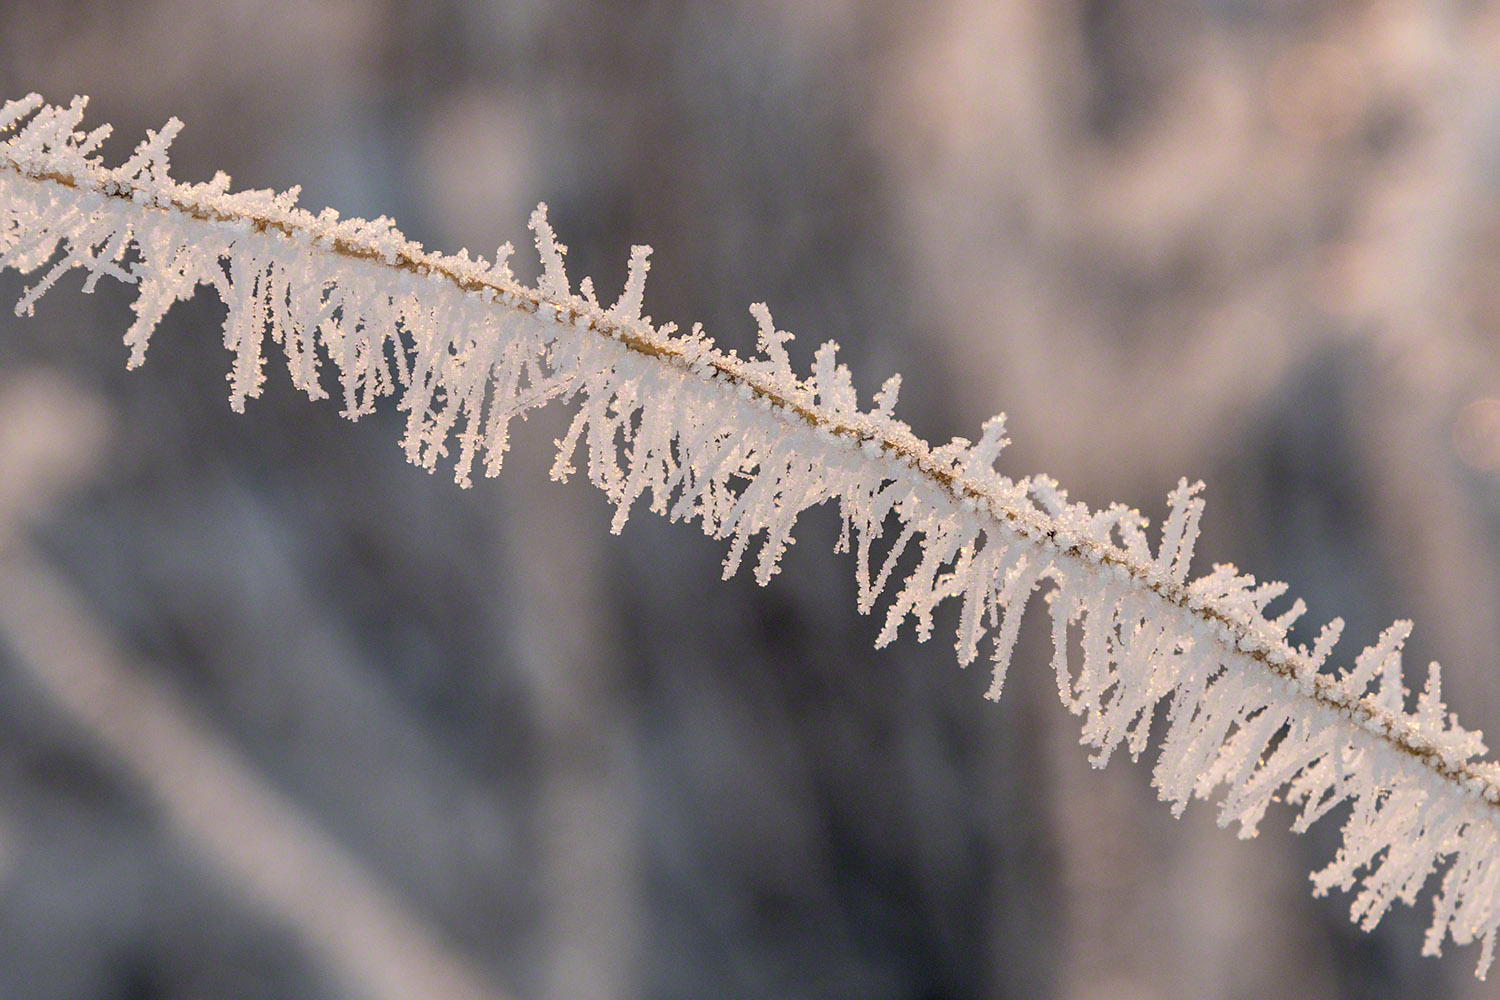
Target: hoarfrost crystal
[{"x": 744, "y": 446}]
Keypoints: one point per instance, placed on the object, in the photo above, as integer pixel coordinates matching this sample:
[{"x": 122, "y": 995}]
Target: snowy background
[{"x": 340, "y": 729}]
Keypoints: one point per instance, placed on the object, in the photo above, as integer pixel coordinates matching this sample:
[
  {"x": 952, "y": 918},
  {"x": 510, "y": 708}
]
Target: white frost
[{"x": 744, "y": 446}]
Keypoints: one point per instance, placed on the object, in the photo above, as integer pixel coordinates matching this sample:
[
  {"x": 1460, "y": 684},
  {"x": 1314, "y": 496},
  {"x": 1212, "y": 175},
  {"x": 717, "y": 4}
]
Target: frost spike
[
  {"x": 554, "y": 281},
  {"x": 631, "y": 300},
  {"x": 771, "y": 340}
]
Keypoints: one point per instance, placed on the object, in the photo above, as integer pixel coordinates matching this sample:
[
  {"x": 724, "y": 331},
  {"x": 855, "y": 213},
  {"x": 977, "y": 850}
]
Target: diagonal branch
[{"x": 745, "y": 444}]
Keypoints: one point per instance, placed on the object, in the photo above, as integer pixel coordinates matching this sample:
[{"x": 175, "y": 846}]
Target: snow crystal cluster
[{"x": 743, "y": 446}]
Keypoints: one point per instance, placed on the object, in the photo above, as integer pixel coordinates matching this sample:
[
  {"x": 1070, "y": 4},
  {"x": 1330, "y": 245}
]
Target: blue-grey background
[{"x": 370, "y": 735}]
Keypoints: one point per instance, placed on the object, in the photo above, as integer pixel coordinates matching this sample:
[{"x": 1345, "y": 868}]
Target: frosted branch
[{"x": 745, "y": 445}]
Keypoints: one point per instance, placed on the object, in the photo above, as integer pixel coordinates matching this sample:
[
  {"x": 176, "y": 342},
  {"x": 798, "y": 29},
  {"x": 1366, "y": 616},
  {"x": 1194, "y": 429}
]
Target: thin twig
[{"x": 1278, "y": 658}]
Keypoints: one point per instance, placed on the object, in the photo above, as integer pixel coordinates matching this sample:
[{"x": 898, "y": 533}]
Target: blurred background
[{"x": 282, "y": 716}]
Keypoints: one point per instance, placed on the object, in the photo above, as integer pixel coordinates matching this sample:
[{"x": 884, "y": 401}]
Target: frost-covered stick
[{"x": 745, "y": 445}]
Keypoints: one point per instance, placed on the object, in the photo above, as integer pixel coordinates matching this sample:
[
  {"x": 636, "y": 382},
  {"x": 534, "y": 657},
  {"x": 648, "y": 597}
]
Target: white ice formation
[{"x": 744, "y": 445}]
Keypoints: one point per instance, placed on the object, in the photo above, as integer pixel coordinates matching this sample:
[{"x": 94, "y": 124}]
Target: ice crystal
[{"x": 744, "y": 446}]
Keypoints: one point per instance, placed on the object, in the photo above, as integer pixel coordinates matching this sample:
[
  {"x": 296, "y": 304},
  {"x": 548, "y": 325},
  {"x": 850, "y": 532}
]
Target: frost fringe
[{"x": 744, "y": 446}]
